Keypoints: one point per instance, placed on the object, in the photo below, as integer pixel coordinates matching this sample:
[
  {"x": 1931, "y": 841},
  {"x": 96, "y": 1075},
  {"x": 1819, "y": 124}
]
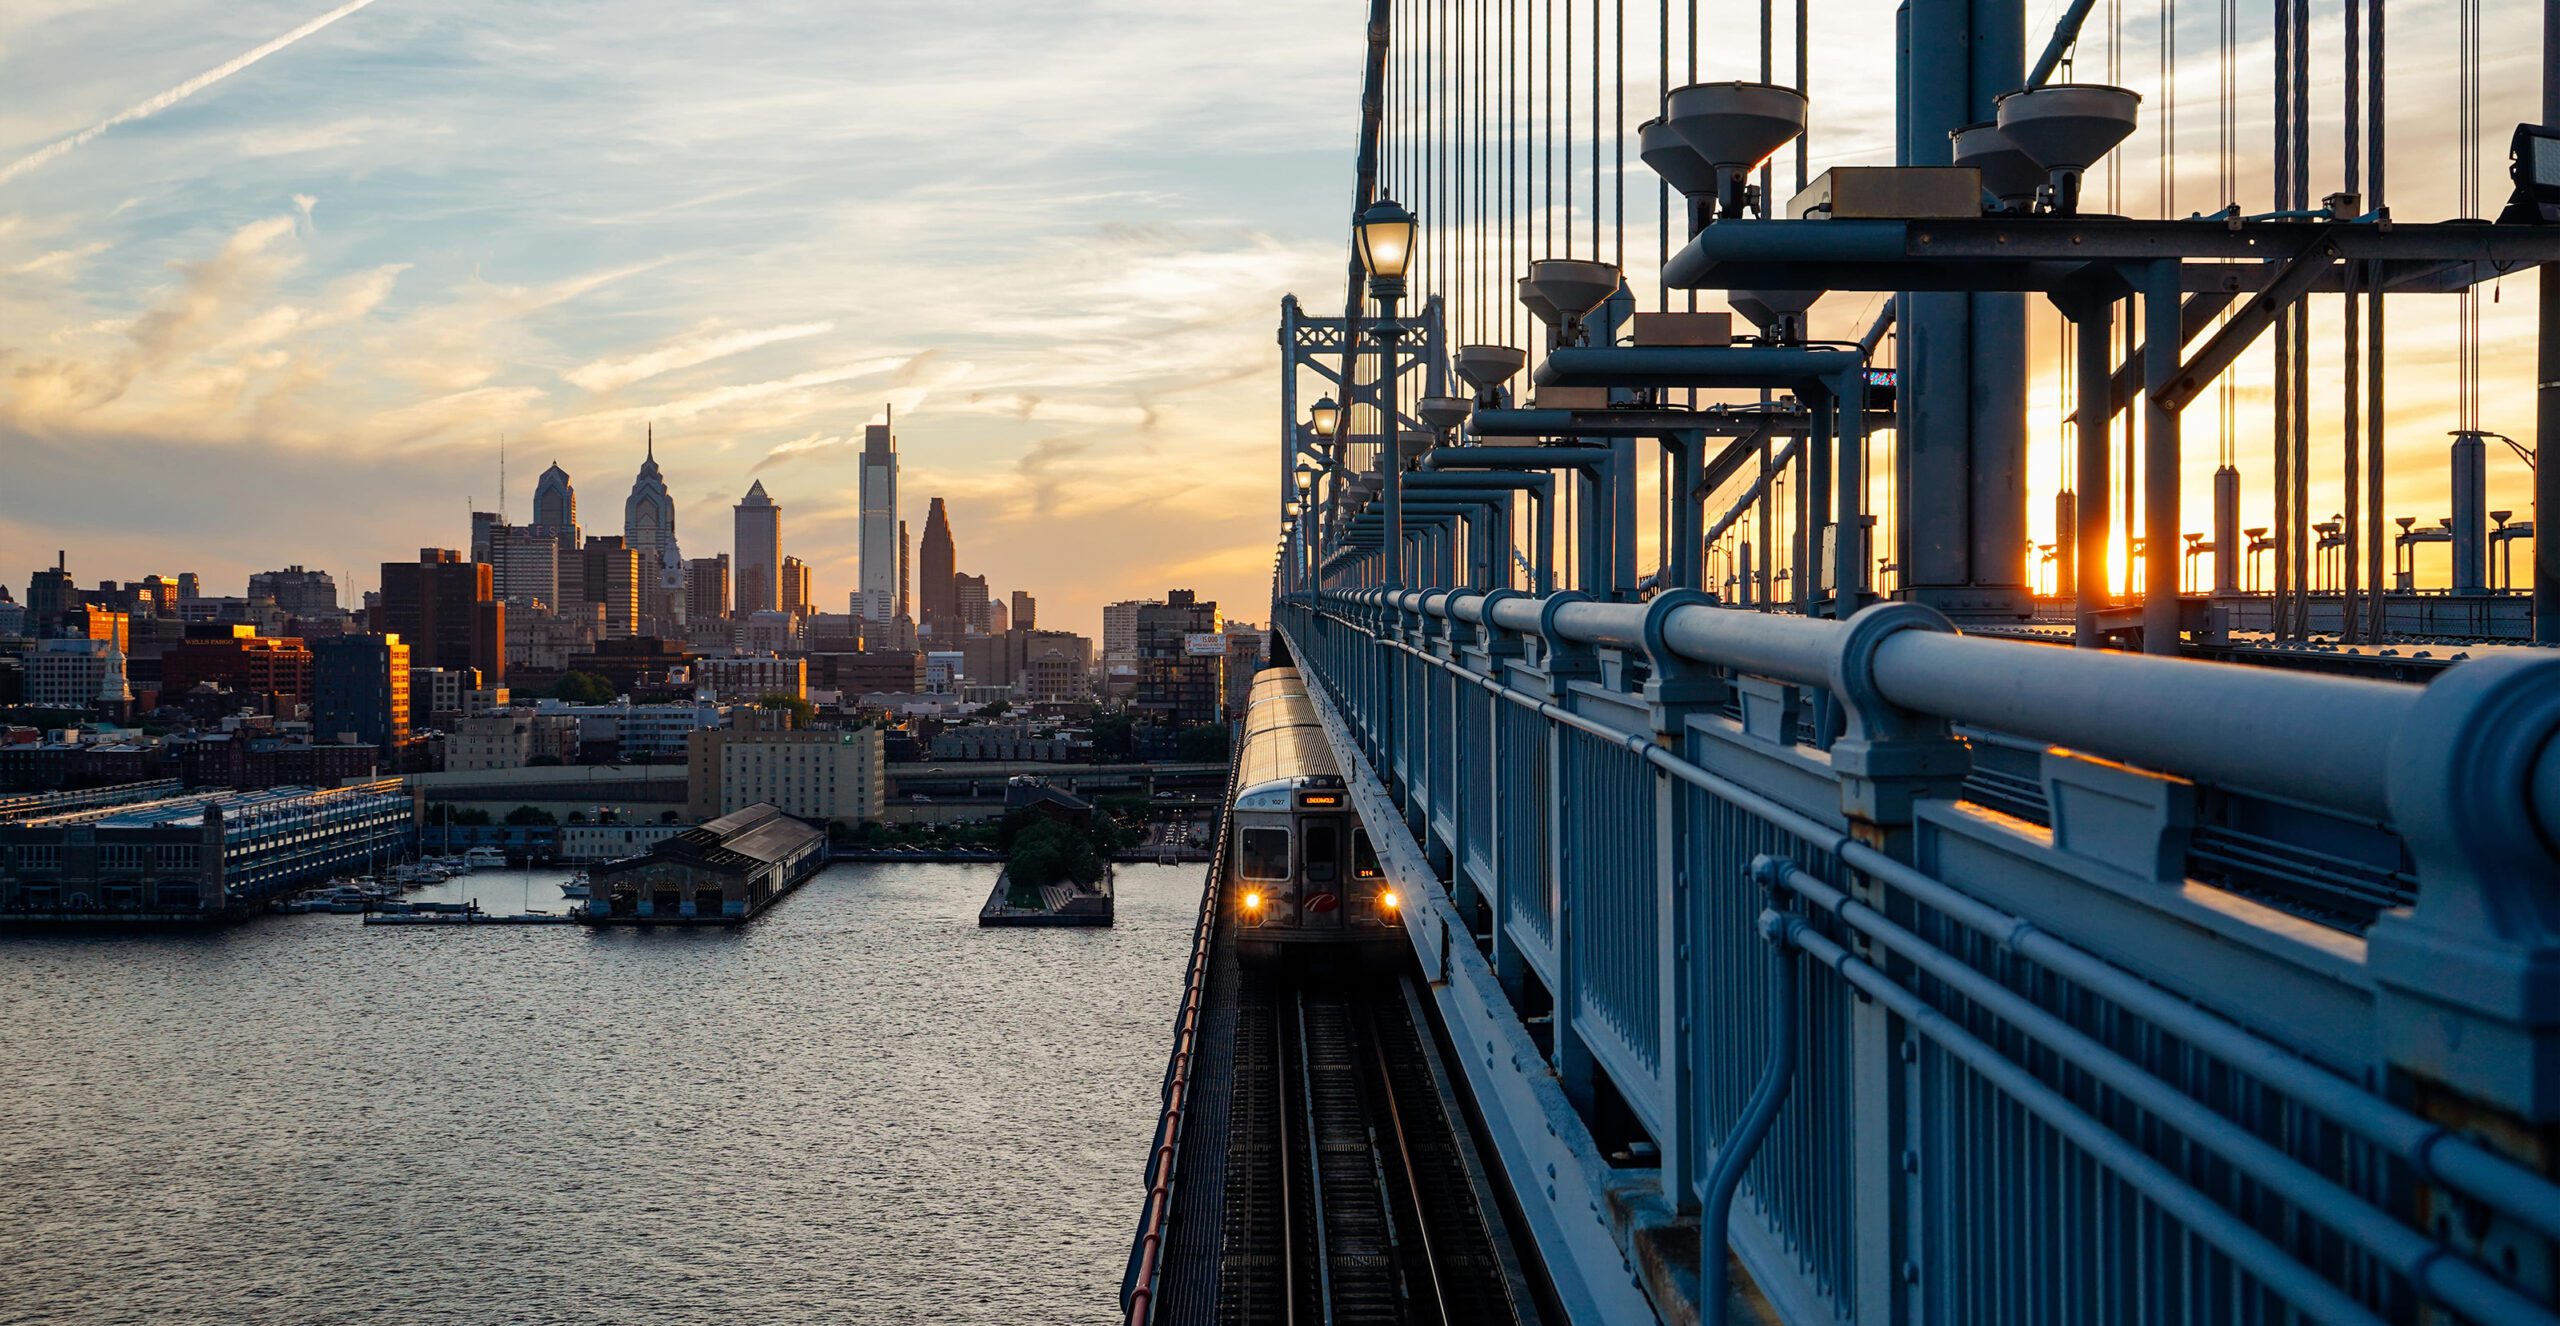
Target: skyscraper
[
  {"x": 555, "y": 507},
  {"x": 759, "y": 557},
  {"x": 1180, "y": 685},
  {"x": 524, "y": 566},
  {"x": 442, "y": 607},
  {"x": 612, "y": 577},
  {"x": 794, "y": 594},
  {"x": 1026, "y": 611},
  {"x": 649, "y": 523},
  {"x": 969, "y": 603},
  {"x": 935, "y": 596},
  {"x": 906, "y": 549},
  {"x": 880, "y": 525},
  {"x": 360, "y": 688},
  {"x": 706, "y": 588}
]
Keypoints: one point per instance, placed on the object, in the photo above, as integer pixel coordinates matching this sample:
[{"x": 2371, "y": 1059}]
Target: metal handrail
[
  {"x": 1147, "y": 1255},
  {"x": 2433, "y": 1152},
  {"x": 2319, "y": 740},
  {"x": 2442, "y": 1276}
]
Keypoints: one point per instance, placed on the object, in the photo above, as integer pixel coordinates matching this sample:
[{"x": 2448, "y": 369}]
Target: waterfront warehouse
[
  {"x": 164, "y": 856},
  {"x": 722, "y": 871}
]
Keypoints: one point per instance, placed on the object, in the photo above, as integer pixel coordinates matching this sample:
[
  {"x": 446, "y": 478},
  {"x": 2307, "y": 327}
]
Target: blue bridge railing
[{"x": 1968, "y": 980}]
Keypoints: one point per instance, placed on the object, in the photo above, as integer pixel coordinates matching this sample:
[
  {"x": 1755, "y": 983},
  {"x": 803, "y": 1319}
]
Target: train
[{"x": 1301, "y": 872}]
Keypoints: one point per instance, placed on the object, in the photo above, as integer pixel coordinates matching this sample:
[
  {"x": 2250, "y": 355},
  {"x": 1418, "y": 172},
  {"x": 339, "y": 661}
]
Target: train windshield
[
  {"x": 1364, "y": 860},
  {"x": 1324, "y": 851},
  {"x": 1262, "y": 853}
]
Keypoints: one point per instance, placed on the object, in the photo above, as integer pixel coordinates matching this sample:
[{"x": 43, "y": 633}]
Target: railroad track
[{"x": 1352, "y": 1195}]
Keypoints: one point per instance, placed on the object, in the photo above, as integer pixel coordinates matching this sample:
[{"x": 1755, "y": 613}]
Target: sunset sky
[{"x": 275, "y": 276}]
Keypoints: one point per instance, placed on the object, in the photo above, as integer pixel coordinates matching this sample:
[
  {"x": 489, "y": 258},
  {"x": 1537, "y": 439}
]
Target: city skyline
[
  {"x": 737, "y": 240},
  {"x": 290, "y": 304}
]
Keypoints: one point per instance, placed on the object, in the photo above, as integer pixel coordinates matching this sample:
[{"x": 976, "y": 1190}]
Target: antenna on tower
[
  {"x": 653, "y": 439},
  {"x": 502, "y": 478}
]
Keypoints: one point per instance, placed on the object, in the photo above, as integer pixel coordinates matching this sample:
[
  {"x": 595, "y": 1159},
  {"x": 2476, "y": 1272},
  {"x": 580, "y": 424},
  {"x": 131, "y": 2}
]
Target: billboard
[{"x": 1203, "y": 643}]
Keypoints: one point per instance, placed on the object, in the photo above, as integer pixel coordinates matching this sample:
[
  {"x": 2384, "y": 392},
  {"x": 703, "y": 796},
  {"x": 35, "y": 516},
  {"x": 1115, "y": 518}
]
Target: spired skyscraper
[
  {"x": 649, "y": 529},
  {"x": 878, "y": 603},
  {"x": 759, "y": 556}
]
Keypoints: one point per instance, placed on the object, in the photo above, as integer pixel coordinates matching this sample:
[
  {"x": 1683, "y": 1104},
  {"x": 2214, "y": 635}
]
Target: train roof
[{"x": 1284, "y": 748}]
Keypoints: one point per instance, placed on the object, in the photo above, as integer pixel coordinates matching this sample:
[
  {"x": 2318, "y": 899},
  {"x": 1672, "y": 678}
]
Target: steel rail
[{"x": 1405, "y": 1164}]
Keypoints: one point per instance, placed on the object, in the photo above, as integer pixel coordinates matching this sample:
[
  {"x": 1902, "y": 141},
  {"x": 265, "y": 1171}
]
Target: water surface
[{"x": 859, "y": 1108}]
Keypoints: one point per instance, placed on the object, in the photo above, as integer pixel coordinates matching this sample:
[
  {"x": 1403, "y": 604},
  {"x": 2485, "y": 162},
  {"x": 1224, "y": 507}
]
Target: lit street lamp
[
  {"x": 1385, "y": 233},
  {"x": 1325, "y": 418}
]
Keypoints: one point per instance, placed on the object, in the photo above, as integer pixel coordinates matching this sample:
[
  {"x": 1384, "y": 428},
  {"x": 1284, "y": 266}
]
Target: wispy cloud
[
  {"x": 604, "y": 375},
  {"x": 56, "y": 260},
  {"x": 153, "y": 105}
]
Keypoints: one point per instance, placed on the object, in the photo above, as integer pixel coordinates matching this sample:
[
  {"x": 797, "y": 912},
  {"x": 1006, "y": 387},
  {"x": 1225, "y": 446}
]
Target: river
[{"x": 858, "y": 1108}]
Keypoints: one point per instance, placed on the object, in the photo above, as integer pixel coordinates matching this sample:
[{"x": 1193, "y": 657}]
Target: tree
[
  {"x": 1203, "y": 743},
  {"x": 1046, "y": 852},
  {"x": 802, "y": 712},
  {"x": 522, "y": 815},
  {"x": 997, "y": 709},
  {"x": 1112, "y": 735},
  {"x": 583, "y": 688}
]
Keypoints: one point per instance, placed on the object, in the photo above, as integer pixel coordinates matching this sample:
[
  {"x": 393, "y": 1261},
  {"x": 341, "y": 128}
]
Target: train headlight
[
  {"x": 1388, "y": 900},
  {"x": 1253, "y": 902}
]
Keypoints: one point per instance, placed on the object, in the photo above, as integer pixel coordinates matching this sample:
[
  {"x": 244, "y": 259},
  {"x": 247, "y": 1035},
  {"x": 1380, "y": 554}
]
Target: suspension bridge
[{"x": 1883, "y": 830}]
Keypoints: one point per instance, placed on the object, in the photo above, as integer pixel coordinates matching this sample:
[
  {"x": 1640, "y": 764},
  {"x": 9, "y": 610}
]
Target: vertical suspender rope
[
  {"x": 2302, "y": 324},
  {"x": 2350, "y": 333},
  {"x": 2373, "y": 458}
]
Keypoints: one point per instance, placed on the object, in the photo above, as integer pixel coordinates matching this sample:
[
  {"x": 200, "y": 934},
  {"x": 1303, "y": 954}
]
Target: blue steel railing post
[
  {"x": 1676, "y": 690},
  {"x": 2467, "y": 1006},
  {"x": 1499, "y": 650},
  {"x": 1412, "y": 702},
  {"x": 1564, "y": 661},
  {"x": 1889, "y": 761},
  {"x": 1459, "y": 639}
]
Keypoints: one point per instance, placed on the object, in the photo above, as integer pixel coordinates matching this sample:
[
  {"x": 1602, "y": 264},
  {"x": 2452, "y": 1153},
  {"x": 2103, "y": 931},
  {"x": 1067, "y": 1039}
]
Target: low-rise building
[
  {"x": 628, "y": 731},
  {"x": 274, "y": 670},
  {"x": 827, "y": 774},
  {"x": 722, "y": 871},
  {"x": 750, "y": 677},
  {"x": 611, "y": 842},
  {"x": 75, "y": 674},
  {"x": 511, "y": 739}
]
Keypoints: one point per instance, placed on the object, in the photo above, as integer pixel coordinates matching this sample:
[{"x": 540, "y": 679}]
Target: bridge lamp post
[
  {"x": 1384, "y": 234},
  {"x": 1292, "y": 536},
  {"x": 1324, "y": 418},
  {"x": 1305, "y": 478}
]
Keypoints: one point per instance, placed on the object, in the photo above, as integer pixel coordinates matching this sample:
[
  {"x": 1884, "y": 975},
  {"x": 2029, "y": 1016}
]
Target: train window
[
  {"x": 1262, "y": 853},
  {"x": 1364, "y": 859},
  {"x": 1324, "y": 851}
]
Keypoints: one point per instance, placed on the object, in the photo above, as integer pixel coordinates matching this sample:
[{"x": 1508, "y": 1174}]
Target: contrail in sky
[{"x": 154, "y": 105}]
